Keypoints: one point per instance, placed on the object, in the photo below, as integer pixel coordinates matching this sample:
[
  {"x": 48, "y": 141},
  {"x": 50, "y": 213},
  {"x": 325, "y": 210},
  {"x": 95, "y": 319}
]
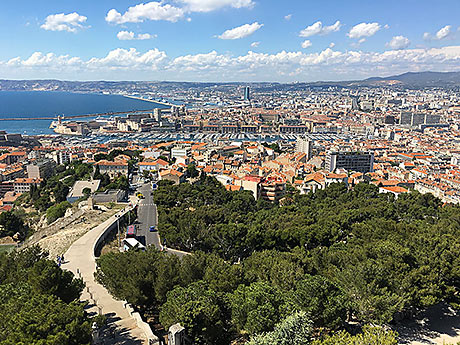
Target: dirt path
[{"x": 439, "y": 325}]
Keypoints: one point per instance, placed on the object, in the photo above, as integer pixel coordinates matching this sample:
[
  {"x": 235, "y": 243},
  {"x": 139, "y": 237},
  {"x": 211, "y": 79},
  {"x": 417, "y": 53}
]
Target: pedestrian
[
  {"x": 62, "y": 259},
  {"x": 58, "y": 259}
]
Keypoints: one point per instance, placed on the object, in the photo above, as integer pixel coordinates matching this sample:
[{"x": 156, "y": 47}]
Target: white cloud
[
  {"x": 51, "y": 60},
  {"x": 305, "y": 44},
  {"x": 332, "y": 45},
  {"x": 125, "y": 35},
  {"x": 200, "y": 62},
  {"x": 213, "y": 5},
  {"x": 398, "y": 42},
  {"x": 129, "y": 59},
  {"x": 149, "y": 11},
  {"x": 129, "y": 36},
  {"x": 318, "y": 29},
  {"x": 288, "y": 17},
  {"x": 364, "y": 30},
  {"x": 255, "y": 44},
  {"x": 443, "y": 33},
  {"x": 328, "y": 64},
  {"x": 240, "y": 31},
  {"x": 71, "y": 22}
]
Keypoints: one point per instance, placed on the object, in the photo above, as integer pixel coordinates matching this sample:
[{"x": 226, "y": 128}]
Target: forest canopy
[{"x": 337, "y": 255}]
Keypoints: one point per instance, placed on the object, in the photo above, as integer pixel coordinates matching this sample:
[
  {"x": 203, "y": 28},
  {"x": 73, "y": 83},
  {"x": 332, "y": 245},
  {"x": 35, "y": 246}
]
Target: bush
[{"x": 57, "y": 211}]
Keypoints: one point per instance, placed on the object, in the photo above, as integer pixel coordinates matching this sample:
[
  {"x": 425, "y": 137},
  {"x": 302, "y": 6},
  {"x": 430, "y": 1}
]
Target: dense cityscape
[
  {"x": 229, "y": 172},
  {"x": 253, "y": 154}
]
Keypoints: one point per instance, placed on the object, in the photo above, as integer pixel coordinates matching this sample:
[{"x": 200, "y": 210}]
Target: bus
[{"x": 131, "y": 231}]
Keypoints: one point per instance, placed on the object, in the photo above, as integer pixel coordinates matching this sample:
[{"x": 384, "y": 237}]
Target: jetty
[{"x": 150, "y": 100}]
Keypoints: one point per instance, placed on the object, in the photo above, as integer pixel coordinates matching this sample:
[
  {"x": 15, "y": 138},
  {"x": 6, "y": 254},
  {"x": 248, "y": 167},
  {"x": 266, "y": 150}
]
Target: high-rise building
[
  {"x": 406, "y": 118},
  {"x": 157, "y": 115},
  {"x": 350, "y": 161},
  {"x": 247, "y": 95},
  {"x": 304, "y": 146},
  {"x": 431, "y": 119},
  {"x": 416, "y": 119}
]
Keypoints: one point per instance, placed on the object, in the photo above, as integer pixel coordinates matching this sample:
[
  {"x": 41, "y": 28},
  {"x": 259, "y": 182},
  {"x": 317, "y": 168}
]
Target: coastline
[{"x": 32, "y": 112}]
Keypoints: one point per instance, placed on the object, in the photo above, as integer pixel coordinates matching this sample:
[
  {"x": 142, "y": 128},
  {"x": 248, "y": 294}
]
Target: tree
[
  {"x": 192, "y": 171},
  {"x": 60, "y": 192},
  {"x": 45, "y": 277},
  {"x": 146, "y": 175},
  {"x": 57, "y": 211},
  {"x": 86, "y": 192},
  {"x": 296, "y": 329},
  {"x": 33, "y": 318},
  {"x": 257, "y": 308},
  {"x": 278, "y": 269},
  {"x": 100, "y": 156},
  {"x": 322, "y": 300},
  {"x": 10, "y": 224},
  {"x": 369, "y": 336},
  {"x": 199, "y": 310}
]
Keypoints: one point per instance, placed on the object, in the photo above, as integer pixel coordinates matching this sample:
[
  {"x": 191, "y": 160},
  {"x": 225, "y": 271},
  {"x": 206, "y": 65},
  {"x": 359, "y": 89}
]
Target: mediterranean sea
[{"x": 36, "y": 104}]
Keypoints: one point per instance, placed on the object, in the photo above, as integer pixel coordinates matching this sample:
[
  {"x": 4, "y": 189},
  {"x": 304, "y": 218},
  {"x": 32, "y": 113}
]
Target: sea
[{"x": 36, "y": 104}]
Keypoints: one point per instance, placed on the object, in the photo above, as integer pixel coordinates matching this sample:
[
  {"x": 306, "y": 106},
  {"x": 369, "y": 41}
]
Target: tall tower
[{"x": 247, "y": 96}]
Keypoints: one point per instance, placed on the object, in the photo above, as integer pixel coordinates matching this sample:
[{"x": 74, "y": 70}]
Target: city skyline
[{"x": 226, "y": 40}]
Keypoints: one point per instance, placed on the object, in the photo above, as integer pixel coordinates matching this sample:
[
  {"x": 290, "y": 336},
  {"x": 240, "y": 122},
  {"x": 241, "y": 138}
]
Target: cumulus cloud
[
  {"x": 398, "y": 42},
  {"x": 255, "y": 44},
  {"x": 129, "y": 36},
  {"x": 158, "y": 10},
  {"x": 50, "y": 60},
  {"x": 129, "y": 59},
  {"x": 71, "y": 22},
  {"x": 364, "y": 30},
  {"x": 443, "y": 33},
  {"x": 305, "y": 44},
  {"x": 288, "y": 17},
  {"x": 212, "y": 5},
  {"x": 318, "y": 29},
  {"x": 281, "y": 66},
  {"x": 240, "y": 31},
  {"x": 149, "y": 11}
]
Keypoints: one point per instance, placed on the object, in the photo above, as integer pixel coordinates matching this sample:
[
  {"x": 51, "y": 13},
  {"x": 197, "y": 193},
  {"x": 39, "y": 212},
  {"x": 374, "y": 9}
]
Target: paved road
[
  {"x": 80, "y": 258},
  {"x": 147, "y": 215}
]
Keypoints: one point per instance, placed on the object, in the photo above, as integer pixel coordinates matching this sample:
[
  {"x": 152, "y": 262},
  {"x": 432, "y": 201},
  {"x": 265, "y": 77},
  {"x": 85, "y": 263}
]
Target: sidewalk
[{"x": 80, "y": 258}]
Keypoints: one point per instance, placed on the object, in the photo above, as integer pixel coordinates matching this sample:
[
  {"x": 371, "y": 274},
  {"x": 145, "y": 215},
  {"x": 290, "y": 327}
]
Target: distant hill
[
  {"x": 421, "y": 79},
  {"x": 406, "y": 80}
]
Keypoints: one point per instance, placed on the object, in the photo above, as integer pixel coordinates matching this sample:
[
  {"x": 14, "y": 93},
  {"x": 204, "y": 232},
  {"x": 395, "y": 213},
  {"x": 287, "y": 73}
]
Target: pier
[{"x": 150, "y": 100}]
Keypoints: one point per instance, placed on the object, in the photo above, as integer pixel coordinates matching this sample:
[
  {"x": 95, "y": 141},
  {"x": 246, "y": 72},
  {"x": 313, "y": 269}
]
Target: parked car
[{"x": 153, "y": 229}]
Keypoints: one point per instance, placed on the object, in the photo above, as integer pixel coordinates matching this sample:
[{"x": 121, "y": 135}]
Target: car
[{"x": 152, "y": 229}]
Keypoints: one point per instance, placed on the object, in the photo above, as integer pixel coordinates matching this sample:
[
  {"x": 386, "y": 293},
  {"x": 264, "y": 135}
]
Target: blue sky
[{"x": 226, "y": 40}]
